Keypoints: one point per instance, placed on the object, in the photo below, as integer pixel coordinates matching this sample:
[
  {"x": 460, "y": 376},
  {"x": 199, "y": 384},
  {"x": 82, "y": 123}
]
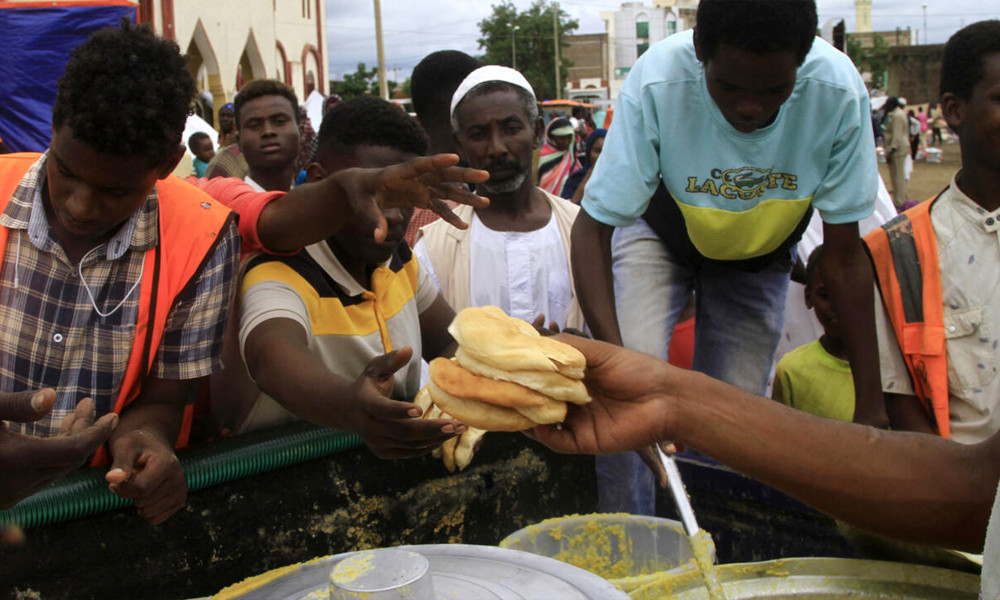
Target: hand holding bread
[{"x": 505, "y": 377}]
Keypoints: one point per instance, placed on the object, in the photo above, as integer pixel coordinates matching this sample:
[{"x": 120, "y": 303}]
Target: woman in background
[
  {"x": 577, "y": 180},
  {"x": 558, "y": 156}
]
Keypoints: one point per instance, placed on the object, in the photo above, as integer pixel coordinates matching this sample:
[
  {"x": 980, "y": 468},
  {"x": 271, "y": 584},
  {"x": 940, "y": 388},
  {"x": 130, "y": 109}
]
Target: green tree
[
  {"x": 363, "y": 82},
  {"x": 389, "y": 84},
  {"x": 872, "y": 60},
  {"x": 358, "y": 83},
  {"x": 529, "y": 35}
]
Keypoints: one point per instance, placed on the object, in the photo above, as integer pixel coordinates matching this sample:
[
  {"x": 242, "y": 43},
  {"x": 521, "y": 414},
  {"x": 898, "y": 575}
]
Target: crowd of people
[{"x": 134, "y": 303}]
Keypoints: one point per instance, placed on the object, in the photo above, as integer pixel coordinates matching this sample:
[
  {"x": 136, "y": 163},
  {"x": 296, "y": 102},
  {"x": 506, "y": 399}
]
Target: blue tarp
[{"x": 35, "y": 42}]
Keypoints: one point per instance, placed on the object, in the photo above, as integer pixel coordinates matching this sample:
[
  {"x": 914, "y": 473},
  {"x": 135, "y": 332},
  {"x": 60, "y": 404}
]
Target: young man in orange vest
[
  {"x": 120, "y": 325},
  {"x": 938, "y": 266},
  {"x": 116, "y": 278}
]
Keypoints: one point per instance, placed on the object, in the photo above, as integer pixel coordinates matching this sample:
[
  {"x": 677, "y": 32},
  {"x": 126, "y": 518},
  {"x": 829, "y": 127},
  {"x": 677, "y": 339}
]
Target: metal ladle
[{"x": 678, "y": 492}]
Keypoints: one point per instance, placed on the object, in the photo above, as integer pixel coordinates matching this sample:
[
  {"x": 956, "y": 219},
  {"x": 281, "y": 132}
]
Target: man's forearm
[
  {"x": 307, "y": 214},
  {"x": 906, "y": 485},
  {"x": 593, "y": 278},
  {"x": 158, "y": 411},
  {"x": 287, "y": 371},
  {"x": 848, "y": 274}
]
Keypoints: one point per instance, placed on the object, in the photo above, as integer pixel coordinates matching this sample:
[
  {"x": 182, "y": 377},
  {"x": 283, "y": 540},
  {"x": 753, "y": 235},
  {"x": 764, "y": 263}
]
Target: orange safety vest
[
  {"x": 904, "y": 254},
  {"x": 190, "y": 224}
]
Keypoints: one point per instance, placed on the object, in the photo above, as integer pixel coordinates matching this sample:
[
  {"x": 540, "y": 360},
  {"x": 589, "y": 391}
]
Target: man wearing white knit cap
[{"x": 515, "y": 253}]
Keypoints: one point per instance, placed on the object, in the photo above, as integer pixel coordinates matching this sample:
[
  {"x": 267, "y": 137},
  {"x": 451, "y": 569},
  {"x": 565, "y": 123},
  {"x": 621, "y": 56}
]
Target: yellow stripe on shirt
[{"x": 723, "y": 235}]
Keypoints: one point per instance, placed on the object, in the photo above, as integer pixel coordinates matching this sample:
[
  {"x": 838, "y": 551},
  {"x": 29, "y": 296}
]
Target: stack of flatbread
[{"x": 505, "y": 377}]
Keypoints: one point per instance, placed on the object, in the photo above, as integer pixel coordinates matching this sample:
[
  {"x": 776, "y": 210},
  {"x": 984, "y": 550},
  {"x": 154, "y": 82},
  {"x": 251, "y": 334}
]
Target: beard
[{"x": 504, "y": 186}]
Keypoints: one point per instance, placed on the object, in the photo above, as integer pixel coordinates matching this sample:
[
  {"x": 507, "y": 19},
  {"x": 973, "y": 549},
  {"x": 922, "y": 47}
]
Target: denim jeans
[{"x": 738, "y": 320}]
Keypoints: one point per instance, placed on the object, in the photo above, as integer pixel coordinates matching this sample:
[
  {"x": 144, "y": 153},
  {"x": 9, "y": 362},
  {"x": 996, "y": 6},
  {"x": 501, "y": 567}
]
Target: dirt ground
[{"x": 928, "y": 179}]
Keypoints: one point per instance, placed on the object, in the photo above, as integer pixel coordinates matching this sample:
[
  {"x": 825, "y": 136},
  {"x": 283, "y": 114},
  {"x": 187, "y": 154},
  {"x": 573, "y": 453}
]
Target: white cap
[
  {"x": 902, "y": 101},
  {"x": 488, "y": 73}
]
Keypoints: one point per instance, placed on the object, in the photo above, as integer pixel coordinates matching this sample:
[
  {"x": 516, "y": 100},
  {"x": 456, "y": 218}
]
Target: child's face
[
  {"x": 204, "y": 150},
  {"x": 818, "y": 299}
]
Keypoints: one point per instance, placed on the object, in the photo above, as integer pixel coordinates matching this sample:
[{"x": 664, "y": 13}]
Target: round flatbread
[
  {"x": 551, "y": 412},
  {"x": 504, "y": 342},
  {"x": 553, "y": 385},
  {"x": 480, "y": 415},
  {"x": 467, "y": 447},
  {"x": 452, "y": 378}
]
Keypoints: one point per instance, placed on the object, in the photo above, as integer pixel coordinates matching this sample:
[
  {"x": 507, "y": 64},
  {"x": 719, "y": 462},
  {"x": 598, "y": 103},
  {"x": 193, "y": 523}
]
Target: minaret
[{"x": 863, "y": 14}]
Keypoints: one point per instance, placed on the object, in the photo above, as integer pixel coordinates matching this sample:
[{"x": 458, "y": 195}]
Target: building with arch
[{"x": 231, "y": 42}]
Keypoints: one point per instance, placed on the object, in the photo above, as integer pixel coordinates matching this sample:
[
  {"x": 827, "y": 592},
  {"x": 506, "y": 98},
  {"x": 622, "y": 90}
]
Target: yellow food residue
[
  {"x": 250, "y": 584},
  {"x": 353, "y": 567},
  {"x": 703, "y": 558}
]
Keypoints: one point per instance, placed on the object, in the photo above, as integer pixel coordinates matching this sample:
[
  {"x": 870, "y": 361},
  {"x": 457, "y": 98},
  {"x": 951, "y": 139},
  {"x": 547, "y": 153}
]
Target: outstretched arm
[
  {"x": 313, "y": 212},
  {"x": 591, "y": 260},
  {"x": 282, "y": 223},
  {"x": 848, "y": 275},
  {"x": 906, "y": 485},
  {"x": 279, "y": 359}
]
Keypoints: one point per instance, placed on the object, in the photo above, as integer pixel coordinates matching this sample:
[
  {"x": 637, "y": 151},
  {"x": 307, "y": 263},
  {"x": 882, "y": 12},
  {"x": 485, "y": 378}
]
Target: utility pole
[
  {"x": 513, "y": 47},
  {"x": 924, "y": 6},
  {"x": 555, "y": 39},
  {"x": 383, "y": 87}
]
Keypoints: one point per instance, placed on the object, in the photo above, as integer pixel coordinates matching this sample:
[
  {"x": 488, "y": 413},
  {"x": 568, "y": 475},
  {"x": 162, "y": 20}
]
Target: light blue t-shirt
[{"x": 741, "y": 194}]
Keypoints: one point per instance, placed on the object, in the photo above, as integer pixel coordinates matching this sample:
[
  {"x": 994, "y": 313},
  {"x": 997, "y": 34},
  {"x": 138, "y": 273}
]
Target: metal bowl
[
  {"x": 459, "y": 571},
  {"x": 614, "y": 546},
  {"x": 818, "y": 579}
]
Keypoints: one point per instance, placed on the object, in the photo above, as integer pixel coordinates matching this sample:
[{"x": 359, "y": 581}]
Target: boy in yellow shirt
[{"x": 816, "y": 377}]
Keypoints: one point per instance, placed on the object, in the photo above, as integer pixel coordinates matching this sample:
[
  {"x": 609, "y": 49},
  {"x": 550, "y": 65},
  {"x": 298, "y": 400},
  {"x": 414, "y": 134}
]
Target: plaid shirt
[{"x": 50, "y": 333}]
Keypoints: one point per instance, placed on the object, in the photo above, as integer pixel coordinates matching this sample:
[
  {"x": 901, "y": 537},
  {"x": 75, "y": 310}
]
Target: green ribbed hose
[{"x": 85, "y": 492}]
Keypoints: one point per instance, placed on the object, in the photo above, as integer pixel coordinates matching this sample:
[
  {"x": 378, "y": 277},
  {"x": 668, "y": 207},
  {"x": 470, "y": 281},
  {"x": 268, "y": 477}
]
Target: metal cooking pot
[
  {"x": 819, "y": 579},
  {"x": 457, "y": 571}
]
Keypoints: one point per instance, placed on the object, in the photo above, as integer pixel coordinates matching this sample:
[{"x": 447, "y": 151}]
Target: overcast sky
[{"x": 414, "y": 28}]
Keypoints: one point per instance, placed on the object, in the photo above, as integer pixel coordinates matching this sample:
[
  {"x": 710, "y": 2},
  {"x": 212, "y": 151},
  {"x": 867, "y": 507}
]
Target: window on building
[
  {"x": 640, "y": 49},
  {"x": 671, "y": 24},
  {"x": 310, "y": 83},
  {"x": 642, "y": 26}
]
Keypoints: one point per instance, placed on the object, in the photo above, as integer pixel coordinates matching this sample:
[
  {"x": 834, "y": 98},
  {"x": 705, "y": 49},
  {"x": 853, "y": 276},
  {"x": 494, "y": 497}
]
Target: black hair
[
  {"x": 812, "y": 265},
  {"x": 488, "y": 87},
  {"x": 195, "y": 138},
  {"x": 962, "y": 64},
  {"x": 757, "y": 26},
  {"x": 891, "y": 104},
  {"x": 434, "y": 81},
  {"x": 560, "y": 122},
  {"x": 126, "y": 92},
  {"x": 264, "y": 87},
  {"x": 372, "y": 121}
]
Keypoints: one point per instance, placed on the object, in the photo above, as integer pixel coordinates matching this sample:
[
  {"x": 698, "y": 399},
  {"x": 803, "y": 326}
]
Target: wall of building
[
  {"x": 589, "y": 55},
  {"x": 627, "y": 39},
  {"x": 898, "y": 37},
  {"x": 231, "y": 42},
  {"x": 915, "y": 72}
]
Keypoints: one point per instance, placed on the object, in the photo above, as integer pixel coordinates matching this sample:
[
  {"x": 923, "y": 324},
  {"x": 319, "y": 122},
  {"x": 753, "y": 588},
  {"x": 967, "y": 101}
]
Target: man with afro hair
[
  {"x": 116, "y": 277},
  {"x": 334, "y": 334},
  {"x": 741, "y": 127}
]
